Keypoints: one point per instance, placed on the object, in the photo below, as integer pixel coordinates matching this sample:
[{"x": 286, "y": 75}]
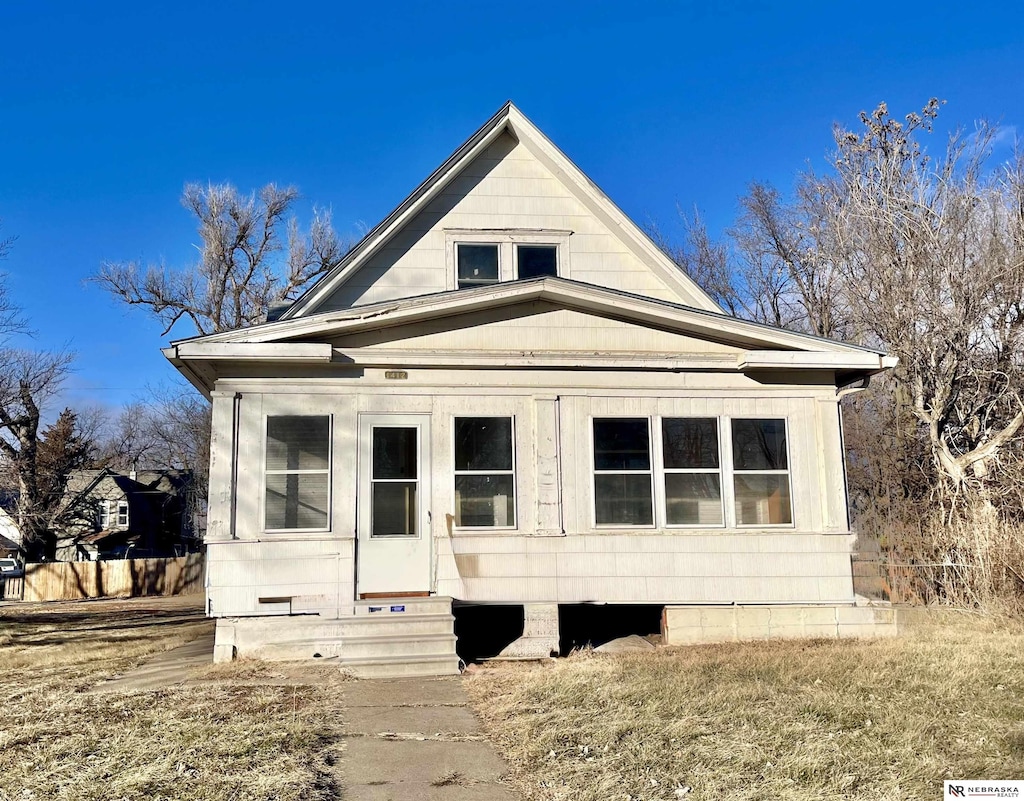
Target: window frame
[
  {"x": 788, "y": 473},
  {"x": 651, "y": 472},
  {"x": 513, "y": 472},
  {"x": 666, "y": 471},
  {"x": 122, "y": 512},
  {"x": 726, "y": 472},
  {"x": 507, "y": 241},
  {"x": 103, "y": 518},
  {"x": 264, "y": 472}
]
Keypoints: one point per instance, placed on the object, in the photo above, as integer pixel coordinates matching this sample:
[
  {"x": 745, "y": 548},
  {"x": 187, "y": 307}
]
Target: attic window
[
  {"x": 483, "y": 257},
  {"x": 478, "y": 265},
  {"x": 533, "y": 261}
]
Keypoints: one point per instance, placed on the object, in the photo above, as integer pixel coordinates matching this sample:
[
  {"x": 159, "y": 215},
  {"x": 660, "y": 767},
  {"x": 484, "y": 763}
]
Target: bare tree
[{"x": 251, "y": 254}]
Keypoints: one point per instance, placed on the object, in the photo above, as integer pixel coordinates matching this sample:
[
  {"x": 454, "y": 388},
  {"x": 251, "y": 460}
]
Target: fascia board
[
  {"x": 571, "y": 294},
  {"x": 254, "y": 351},
  {"x": 808, "y": 360}
]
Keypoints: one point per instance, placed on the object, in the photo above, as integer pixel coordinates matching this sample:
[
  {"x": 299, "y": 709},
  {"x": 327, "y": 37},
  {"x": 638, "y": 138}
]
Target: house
[
  {"x": 507, "y": 394},
  {"x": 112, "y": 515},
  {"x": 10, "y": 535}
]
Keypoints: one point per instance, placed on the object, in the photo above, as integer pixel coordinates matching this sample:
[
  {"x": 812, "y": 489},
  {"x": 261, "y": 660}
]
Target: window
[
  {"x": 622, "y": 472},
  {"x": 103, "y": 516},
  {"x": 490, "y": 256},
  {"x": 760, "y": 472},
  {"x": 485, "y": 491},
  {"x": 477, "y": 265},
  {"x": 122, "y": 514},
  {"x": 394, "y": 482},
  {"x": 693, "y": 482},
  {"x": 297, "y": 472},
  {"x": 533, "y": 261}
]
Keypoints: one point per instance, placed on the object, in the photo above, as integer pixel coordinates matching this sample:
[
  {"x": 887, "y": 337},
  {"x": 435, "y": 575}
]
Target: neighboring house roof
[
  {"x": 8, "y": 545},
  {"x": 511, "y": 120},
  {"x": 303, "y": 339}
]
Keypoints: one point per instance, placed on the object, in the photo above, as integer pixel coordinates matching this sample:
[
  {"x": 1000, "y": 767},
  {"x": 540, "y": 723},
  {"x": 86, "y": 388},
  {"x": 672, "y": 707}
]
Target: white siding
[
  {"x": 804, "y": 562},
  {"x": 534, "y": 327},
  {"x": 506, "y": 187}
]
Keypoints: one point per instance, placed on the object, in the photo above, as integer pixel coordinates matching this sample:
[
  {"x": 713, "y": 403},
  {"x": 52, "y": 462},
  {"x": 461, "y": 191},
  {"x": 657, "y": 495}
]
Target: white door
[{"x": 394, "y": 543}]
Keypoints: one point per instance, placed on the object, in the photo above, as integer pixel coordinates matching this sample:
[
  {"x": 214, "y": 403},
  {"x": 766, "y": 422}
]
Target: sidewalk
[{"x": 417, "y": 740}]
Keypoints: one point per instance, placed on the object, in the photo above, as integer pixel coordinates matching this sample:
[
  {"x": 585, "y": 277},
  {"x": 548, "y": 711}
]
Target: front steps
[{"x": 382, "y": 638}]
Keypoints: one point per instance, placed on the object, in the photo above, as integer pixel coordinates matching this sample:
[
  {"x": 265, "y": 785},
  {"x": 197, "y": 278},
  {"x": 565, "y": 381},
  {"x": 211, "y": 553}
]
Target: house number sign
[{"x": 396, "y": 374}]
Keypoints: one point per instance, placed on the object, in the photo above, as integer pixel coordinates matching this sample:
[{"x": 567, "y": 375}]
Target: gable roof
[
  {"x": 306, "y": 339},
  {"x": 511, "y": 120}
]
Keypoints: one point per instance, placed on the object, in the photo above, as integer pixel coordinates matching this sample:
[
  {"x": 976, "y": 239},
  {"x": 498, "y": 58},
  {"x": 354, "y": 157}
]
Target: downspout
[{"x": 236, "y": 404}]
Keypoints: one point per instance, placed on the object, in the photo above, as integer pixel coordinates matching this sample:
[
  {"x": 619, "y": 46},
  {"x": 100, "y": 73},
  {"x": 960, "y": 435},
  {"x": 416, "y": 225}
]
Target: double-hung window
[
  {"x": 760, "y": 467},
  {"x": 103, "y": 518},
  {"x": 297, "y": 472},
  {"x": 693, "y": 480},
  {"x": 122, "y": 514},
  {"x": 622, "y": 472},
  {"x": 694, "y": 486},
  {"x": 485, "y": 485}
]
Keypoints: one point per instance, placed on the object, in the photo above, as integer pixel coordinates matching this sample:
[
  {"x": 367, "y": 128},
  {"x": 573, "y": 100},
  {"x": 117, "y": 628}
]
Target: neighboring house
[
  {"x": 507, "y": 394},
  {"x": 110, "y": 515},
  {"x": 10, "y": 535}
]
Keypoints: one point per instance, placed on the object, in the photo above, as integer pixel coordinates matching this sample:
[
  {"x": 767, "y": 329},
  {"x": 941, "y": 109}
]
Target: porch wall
[{"x": 555, "y": 554}]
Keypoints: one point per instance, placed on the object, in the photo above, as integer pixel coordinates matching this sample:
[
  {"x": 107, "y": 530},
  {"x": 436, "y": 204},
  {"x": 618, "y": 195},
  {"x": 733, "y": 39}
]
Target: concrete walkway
[
  {"x": 417, "y": 740},
  {"x": 166, "y": 669}
]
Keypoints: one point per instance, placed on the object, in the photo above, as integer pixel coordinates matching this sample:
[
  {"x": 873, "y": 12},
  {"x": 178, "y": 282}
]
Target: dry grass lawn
[
  {"x": 244, "y": 732},
  {"x": 883, "y": 719}
]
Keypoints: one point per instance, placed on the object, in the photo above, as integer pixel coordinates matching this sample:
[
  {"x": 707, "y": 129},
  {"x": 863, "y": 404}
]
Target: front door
[{"x": 394, "y": 505}]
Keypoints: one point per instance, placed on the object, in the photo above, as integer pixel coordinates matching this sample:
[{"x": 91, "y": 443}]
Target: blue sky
[{"x": 107, "y": 109}]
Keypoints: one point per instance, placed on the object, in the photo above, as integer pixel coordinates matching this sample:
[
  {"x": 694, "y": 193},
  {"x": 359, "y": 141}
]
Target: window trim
[
  {"x": 788, "y": 473},
  {"x": 658, "y": 472},
  {"x": 650, "y": 472},
  {"x": 513, "y": 472},
  {"x": 264, "y": 472},
  {"x": 103, "y": 519},
  {"x": 122, "y": 506},
  {"x": 665, "y": 471},
  {"x": 507, "y": 240}
]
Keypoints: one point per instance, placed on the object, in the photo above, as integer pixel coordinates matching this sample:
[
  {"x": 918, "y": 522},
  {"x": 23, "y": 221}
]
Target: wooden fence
[{"x": 69, "y": 581}]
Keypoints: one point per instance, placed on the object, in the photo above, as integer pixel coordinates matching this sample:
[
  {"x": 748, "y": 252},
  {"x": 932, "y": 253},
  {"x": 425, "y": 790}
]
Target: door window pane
[
  {"x": 394, "y": 453},
  {"x": 394, "y": 509},
  {"x": 477, "y": 265},
  {"x": 537, "y": 260}
]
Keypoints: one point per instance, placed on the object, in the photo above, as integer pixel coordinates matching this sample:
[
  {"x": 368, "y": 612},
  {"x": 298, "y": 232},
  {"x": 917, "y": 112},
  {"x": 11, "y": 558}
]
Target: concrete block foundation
[{"x": 691, "y": 625}]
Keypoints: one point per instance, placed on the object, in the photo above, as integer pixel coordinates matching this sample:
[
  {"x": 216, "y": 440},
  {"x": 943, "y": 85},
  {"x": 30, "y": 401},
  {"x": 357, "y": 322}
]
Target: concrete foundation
[
  {"x": 540, "y": 634},
  {"x": 690, "y": 625}
]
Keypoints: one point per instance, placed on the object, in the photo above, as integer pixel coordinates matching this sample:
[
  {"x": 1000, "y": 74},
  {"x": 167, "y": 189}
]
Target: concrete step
[
  {"x": 376, "y": 646},
  {"x": 389, "y": 607}
]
